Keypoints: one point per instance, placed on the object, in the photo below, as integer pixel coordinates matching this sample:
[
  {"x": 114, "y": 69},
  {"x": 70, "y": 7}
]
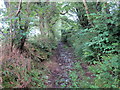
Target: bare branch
[{"x": 19, "y": 8}]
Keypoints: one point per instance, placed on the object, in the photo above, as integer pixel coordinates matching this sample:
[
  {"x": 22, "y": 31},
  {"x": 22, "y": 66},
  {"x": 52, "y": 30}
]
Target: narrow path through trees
[
  {"x": 60, "y": 65},
  {"x": 32, "y": 56}
]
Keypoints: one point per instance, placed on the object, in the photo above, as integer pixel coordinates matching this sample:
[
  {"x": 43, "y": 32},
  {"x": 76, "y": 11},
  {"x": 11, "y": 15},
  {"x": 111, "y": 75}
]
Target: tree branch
[
  {"x": 19, "y": 8},
  {"x": 87, "y": 12}
]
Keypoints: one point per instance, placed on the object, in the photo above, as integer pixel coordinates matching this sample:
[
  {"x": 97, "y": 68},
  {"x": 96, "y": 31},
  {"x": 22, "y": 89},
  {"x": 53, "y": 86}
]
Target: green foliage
[
  {"x": 38, "y": 78},
  {"x": 21, "y": 23},
  {"x": 22, "y": 77},
  {"x": 98, "y": 45},
  {"x": 106, "y": 74},
  {"x": 43, "y": 42}
]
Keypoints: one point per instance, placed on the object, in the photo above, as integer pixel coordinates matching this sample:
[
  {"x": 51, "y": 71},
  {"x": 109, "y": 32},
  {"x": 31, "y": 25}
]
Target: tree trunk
[
  {"x": 23, "y": 39},
  {"x": 87, "y": 12}
]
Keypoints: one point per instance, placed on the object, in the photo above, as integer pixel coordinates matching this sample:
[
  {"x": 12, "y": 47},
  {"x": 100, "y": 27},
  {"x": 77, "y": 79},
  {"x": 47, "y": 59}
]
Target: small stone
[
  {"x": 60, "y": 64},
  {"x": 67, "y": 80},
  {"x": 49, "y": 81}
]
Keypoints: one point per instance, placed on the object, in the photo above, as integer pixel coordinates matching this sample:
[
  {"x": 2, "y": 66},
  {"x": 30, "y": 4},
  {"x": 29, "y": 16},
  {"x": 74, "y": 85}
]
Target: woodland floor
[{"x": 60, "y": 65}]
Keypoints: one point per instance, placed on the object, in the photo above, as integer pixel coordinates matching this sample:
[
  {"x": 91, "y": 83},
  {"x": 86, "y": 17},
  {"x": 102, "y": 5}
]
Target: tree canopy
[{"x": 31, "y": 32}]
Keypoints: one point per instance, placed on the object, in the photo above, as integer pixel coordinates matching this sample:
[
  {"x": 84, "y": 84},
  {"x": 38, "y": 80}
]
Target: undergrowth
[
  {"x": 20, "y": 72},
  {"x": 99, "y": 47}
]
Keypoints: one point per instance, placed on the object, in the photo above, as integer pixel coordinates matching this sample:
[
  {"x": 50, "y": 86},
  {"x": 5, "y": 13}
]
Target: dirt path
[{"x": 60, "y": 64}]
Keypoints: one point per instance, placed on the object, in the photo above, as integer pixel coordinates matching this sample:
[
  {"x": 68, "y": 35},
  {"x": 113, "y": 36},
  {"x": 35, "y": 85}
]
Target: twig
[{"x": 19, "y": 8}]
